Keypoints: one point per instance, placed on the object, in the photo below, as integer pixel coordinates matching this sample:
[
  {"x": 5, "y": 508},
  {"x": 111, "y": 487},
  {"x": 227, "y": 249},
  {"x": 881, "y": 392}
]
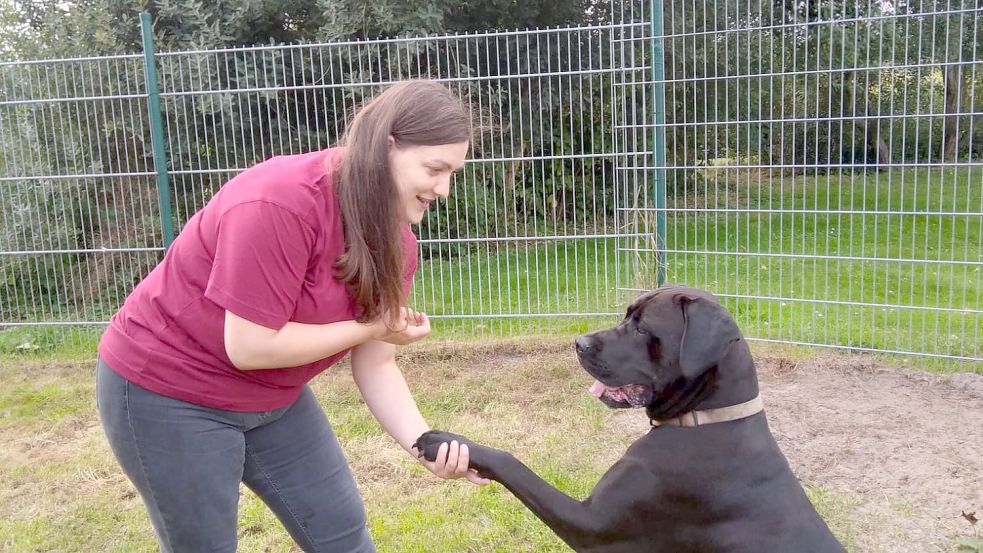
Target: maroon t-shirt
[{"x": 264, "y": 248}]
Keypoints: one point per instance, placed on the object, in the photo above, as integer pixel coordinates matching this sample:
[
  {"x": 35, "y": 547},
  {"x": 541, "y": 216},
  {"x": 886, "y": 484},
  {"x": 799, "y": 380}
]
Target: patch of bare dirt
[{"x": 910, "y": 444}]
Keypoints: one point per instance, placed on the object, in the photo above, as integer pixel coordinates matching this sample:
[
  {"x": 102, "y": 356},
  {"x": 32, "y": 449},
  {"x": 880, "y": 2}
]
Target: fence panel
[
  {"x": 77, "y": 206},
  {"x": 821, "y": 171},
  {"x": 528, "y": 234},
  {"x": 824, "y": 170},
  {"x": 526, "y": 243}
]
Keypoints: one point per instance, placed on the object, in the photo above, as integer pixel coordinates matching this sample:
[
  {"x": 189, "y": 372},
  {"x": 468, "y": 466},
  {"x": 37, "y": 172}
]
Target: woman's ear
[{"x": 391, "y": 141}]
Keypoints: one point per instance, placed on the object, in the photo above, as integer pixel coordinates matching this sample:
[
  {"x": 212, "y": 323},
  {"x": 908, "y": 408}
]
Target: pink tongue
[{"x": 597, "y": 389}]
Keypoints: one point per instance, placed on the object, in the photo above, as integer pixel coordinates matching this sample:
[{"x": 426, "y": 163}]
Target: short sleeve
[{"x": 262, "y": 253}]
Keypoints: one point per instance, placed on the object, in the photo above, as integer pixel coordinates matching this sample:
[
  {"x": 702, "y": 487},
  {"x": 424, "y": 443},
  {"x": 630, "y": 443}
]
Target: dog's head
[{"x": 666, "y": 353}]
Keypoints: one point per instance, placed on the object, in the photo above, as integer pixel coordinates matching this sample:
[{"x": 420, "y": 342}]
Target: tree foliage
[{"x": 825, "y": 82}]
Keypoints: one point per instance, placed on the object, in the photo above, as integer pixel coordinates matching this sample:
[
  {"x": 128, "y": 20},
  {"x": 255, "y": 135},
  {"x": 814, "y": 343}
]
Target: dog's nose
[{"x": 583, "y": 344}]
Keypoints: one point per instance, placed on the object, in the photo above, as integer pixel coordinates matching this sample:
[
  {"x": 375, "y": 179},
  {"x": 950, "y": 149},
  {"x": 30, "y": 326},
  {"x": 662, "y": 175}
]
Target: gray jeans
[{"x": 187, "y": 462}]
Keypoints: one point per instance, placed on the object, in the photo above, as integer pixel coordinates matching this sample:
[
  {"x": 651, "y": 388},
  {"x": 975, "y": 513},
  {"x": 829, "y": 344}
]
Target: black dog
[{"x": 708, "y": 477}]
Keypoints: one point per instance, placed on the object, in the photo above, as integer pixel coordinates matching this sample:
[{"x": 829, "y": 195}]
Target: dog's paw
[{"x": 428, "y": 443}]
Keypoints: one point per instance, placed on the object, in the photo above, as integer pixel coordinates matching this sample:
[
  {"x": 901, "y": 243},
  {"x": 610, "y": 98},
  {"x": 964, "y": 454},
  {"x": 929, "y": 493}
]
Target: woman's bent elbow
[
  {"x": 245, "y": 341},
  {"x": 240, "y": 359}
]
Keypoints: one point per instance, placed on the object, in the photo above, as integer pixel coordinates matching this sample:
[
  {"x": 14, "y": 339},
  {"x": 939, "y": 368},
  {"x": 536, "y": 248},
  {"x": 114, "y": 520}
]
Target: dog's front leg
[{"x": 574, "y": 521}]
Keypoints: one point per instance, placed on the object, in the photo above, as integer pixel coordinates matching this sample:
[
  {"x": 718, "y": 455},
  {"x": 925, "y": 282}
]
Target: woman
[{"x": 297, "y": 261}]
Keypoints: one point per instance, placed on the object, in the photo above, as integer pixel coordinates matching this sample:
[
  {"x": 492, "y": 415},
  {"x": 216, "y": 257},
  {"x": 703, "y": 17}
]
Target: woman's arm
[
  {"x": 384, "y": 390},
  {"x": 252, "y": 346}
]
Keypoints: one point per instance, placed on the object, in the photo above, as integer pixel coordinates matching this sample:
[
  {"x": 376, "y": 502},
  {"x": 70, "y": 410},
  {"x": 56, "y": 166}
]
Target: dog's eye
[{"x": 640, "y": 330}]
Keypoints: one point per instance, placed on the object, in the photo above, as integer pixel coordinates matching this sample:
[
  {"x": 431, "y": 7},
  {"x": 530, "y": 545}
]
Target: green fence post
[
  {"x": 156, "y": 127},
  {"x": 659, "y": 138}
]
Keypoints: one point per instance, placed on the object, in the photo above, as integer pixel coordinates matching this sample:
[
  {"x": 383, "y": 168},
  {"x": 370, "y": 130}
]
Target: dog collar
[{"x": 711, "y": 416}]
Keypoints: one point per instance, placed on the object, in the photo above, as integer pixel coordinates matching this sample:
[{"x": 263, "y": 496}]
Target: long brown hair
[{"x": 414, "y": 113}]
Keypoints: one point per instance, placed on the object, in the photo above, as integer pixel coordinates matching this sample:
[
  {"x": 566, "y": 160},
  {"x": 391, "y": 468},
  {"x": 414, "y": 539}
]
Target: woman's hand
[
  {"x": 452, "y": 462},
  {"x": 410, "y": 327}
]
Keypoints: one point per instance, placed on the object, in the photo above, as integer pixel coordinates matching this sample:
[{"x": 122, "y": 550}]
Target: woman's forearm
[
  {"x": 251, "y": 346},
  {"x": 386, "y": 394}
]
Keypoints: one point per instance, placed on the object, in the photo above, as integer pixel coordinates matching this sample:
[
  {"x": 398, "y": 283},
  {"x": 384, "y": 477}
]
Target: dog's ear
[{"x": 707, "y": 333}]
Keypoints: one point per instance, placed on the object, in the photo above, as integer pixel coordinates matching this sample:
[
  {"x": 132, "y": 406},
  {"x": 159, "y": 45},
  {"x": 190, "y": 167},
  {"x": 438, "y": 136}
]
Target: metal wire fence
[
  {"x": 824, "y": 170},
  {"x": 820, "y": 172}
]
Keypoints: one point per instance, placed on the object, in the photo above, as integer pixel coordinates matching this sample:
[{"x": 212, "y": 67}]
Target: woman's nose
[{"x": 443, "y": 188}]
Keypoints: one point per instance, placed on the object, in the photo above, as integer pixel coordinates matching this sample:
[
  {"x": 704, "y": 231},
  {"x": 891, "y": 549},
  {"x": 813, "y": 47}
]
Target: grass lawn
[
  {"x": 777, "y": 272},
  {"x": 786, "y": 276},
  {"x": 850, "y": 302},
  {"x": 60, "y": 489}
]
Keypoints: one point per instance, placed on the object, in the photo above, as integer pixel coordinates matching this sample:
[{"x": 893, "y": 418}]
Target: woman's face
[{"x": 423, "y": 173}]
